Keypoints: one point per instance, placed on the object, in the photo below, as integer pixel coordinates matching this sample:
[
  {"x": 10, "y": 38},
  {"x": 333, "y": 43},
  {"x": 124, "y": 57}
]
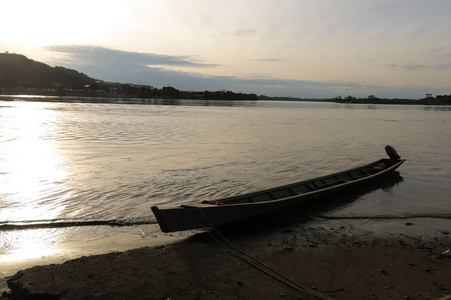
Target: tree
[
  {"x": 9, "y": 83},
  {"x": 170, "y": 92}
]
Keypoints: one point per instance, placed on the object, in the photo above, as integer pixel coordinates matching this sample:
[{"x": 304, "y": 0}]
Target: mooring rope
[{"x": 258, "y": 264}]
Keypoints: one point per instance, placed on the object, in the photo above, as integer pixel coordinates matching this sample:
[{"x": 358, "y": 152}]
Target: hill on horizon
[{"x": 18, "y": 71}]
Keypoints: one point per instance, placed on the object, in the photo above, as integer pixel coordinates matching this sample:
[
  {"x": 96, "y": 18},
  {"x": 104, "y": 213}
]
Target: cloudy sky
[{"x": 299, "y": 48}]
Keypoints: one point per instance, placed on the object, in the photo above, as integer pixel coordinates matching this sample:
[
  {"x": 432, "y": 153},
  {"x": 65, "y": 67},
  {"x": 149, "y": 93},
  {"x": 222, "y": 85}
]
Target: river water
[{"x": 76, "y": 162}]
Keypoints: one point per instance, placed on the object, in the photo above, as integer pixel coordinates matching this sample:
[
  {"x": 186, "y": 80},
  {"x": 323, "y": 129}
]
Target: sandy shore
[{"x": 336, "y": 261}]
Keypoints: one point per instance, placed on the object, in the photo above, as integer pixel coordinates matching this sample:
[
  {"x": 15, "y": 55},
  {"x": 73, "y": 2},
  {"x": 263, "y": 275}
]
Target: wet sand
[{"x": 335, "y": 260}]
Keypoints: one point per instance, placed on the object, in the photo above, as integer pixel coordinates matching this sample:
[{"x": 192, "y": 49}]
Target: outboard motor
[{"x": 392, "y": 153}]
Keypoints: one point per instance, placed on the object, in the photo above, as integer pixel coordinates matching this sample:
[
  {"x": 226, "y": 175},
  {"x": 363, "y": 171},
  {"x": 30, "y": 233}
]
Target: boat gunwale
[{"x": 199, "y": 205}]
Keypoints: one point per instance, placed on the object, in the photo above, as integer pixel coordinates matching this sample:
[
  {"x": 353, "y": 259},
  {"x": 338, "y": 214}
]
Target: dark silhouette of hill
[{"x": 18, "y": 71}]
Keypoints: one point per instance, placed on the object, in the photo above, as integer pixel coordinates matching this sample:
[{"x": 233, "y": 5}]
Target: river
[{"x": 78, "y": 162}]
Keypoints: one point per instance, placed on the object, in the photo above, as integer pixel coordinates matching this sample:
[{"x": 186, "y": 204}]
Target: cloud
[
  {"x": 409, "y": 67},
  {"x": 267, "y": 59},
  {"x": 416, "y": 67},
  {"x": 245, "y": 33},
  {"x": 101, "y": 55}
]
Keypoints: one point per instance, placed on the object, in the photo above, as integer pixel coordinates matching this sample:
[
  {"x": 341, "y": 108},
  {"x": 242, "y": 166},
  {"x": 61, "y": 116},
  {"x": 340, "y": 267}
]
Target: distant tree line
[
  {"x": 371, "y": 99},
  {"x": 170, "y": 92}
]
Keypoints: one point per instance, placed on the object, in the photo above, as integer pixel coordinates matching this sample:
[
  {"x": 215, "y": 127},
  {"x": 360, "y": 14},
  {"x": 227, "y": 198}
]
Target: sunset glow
[{"x": 286, "y": 48}]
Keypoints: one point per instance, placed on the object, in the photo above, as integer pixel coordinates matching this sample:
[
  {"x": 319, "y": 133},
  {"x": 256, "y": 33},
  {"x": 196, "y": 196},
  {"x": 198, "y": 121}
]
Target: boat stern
[{"x": 161, "y": 221}]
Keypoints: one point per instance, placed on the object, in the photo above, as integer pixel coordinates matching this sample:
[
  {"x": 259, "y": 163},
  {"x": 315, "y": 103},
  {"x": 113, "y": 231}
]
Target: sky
[{"x": 292, "y": 48}]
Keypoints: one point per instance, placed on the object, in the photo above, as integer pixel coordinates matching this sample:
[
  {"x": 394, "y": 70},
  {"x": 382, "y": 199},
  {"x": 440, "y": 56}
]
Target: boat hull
[{"x": 252, "y": 205}]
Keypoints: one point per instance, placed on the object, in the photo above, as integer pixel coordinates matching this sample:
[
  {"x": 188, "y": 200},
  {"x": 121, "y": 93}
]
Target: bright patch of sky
[{"x": 299, "y": 48}]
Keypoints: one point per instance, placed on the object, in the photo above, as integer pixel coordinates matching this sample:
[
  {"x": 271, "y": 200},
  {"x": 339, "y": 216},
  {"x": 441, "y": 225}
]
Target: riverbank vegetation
[{"x": 427, "y": 100}]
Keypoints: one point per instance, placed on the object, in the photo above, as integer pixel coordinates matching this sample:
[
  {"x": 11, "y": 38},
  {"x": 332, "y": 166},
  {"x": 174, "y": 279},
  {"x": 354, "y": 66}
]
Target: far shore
[{"x": 132, "y": 98}]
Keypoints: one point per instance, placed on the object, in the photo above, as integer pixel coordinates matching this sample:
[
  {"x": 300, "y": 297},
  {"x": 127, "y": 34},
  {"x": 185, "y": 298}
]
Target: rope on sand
[{"x": 253, "y": 261}]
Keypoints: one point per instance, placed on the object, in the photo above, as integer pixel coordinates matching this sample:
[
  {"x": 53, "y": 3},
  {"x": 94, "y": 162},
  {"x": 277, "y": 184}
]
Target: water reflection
[
  {"x": 438, "y": 108},
  {"x": 27, "y": 244},
  {"x": 31, "y": 170},
  {"x": 139, "y": 101}
]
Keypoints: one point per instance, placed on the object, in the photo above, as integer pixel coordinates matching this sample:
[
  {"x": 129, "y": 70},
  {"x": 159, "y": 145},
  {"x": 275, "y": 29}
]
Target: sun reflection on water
[
  {"x": 27, "y": 244},
  {"x": 31, "y": 174}
]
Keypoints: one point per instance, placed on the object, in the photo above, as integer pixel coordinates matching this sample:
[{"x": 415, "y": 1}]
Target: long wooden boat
[{"x": 239, "y": 208}]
